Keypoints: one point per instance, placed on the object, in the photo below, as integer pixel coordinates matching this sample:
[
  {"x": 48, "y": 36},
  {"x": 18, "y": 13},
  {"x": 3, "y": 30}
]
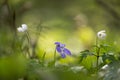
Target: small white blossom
[
  {"x": 101, "y": 34},
  {"x": 20, "y": 29},
  {"x": 105, "y": 67},
  {"x": 23, "y": 28}
]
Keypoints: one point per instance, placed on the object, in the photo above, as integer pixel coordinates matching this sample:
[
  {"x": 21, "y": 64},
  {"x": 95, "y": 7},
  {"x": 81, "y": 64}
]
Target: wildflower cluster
[{"x": 64, "y": 52}]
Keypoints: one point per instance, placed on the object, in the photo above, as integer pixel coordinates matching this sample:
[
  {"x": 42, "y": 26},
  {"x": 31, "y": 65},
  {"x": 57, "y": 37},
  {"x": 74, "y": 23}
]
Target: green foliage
[
  {"x": 84, "y": 54},
  {"x": 12, "y": 67},
  {"x": 113, "y": 71},
  {"x": 68, "y": 21},
  {"x": 107, "y": 58}
]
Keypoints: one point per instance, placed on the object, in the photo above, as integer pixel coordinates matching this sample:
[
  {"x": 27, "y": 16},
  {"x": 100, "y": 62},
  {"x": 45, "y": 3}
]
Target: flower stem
[
  {"x": 28, "y": 38},
  {"x": 54, "y": 56},
  {"x": 98, "y": 53},
  {"x": 43, "y": 58}
]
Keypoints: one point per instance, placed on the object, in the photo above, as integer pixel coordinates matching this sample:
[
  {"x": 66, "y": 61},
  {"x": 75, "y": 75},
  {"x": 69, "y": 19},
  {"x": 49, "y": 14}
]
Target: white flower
[
  {"x": 23, "y": 28},
  {"x": 20, "y": 29},
  {"x": 105, "y": 67},
  {"x": 101, "y": 34}
]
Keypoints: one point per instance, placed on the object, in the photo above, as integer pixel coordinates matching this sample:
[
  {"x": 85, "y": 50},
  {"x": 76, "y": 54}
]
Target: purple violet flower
[{"x": 62, "y": 50}]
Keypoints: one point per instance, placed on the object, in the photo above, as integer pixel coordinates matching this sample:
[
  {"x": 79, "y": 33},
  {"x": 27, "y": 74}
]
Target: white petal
[
  {"x": 101, "y": 34},
  {"x": 102, "y": 31},
  {"x": 24, "y": 27},
  {"x": 20, "y": 29},
  {"x": 105, "y": 67}
]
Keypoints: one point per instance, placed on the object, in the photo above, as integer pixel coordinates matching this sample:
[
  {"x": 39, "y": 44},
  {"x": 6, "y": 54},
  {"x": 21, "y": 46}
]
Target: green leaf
[
  {"x": 108, "y": 57},
  {"x": 84, "y": 54}
]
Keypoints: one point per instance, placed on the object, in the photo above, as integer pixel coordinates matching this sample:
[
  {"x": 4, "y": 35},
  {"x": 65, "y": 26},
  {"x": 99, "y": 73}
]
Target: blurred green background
[{"x": 73, "y": 22}]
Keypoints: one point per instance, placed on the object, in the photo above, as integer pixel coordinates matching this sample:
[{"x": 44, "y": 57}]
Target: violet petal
[
  {"x": 57, "y": 43},
  {"x": 66, "y": 51},
  {"x": 58, "y": 49},
  {"x": 62, "y": 55}
]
